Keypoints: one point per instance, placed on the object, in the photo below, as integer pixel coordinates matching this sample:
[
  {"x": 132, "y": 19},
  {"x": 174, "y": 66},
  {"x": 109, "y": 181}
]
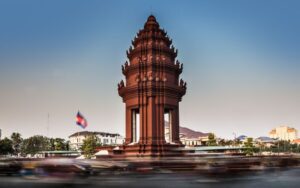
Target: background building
[
  {"x": 76, "y": 139},
  {"x": 284, "y": 133},
  {"x": 190, "y": 137},
  {"x": 296, "y": 141},
  {"x": 242, "y": 138},
  {"x": 265, "y": 141}
]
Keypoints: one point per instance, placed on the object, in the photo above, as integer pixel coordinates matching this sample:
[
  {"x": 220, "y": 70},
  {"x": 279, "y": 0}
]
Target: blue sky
[{"x": 241, "y": 63}]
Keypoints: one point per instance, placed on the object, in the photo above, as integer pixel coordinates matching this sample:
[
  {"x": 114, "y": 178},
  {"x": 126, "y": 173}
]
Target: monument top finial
[
  {"x": 151, "y": 18},
  {"x": 151, "y": 22}
]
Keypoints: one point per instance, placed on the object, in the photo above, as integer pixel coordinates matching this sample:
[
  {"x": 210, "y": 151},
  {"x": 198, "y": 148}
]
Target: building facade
[
  {"x": 189, "y": 137},
  {"x": 191, "y": 142},
  {"x": 265, "y": 141},
  {"x": 284, "y": 133},
  {"x": 296, "y": 141},
  {"x": 105, "y": 139}
]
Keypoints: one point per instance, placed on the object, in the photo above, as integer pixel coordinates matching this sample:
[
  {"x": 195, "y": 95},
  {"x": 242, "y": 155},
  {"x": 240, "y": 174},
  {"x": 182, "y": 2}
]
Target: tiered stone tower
[{"x": 152, "y": 92}]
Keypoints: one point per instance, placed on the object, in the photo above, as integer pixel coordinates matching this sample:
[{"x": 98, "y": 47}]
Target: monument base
[{"x": 144, "y": 150}]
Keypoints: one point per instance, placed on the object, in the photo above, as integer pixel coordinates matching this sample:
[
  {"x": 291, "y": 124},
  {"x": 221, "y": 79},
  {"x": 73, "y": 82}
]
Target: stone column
[
  {"x": 128, "y": 139},
  {"x": 150, "y": 132},
  {"x": 175, "y": 125}
]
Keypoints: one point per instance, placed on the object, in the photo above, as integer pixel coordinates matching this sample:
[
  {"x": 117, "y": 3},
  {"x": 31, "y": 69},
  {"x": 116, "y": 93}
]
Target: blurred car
[
  {"x": 107, "y": 167},
  {"x": 10, "y": 167},
  {"x": 62, "y": 168}
]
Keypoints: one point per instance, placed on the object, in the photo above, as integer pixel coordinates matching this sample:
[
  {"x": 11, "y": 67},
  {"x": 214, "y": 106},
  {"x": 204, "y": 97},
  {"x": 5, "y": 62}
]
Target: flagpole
[
  {"x": 48, "y": 117},
  {"x": 78, "y": 140}
]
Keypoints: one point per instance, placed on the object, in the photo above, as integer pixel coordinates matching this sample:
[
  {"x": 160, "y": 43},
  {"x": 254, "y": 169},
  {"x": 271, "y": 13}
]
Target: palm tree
[{"x": 16, "y": 142}]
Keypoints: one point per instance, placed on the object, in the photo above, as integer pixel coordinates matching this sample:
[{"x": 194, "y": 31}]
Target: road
[{"x": 280, "y": 178}]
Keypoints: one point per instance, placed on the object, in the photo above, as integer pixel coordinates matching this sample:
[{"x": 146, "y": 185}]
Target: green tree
[
  {"x": 283, "y": 146},
  {"x": 295, "y": 148},
  {"x": 249, "y": 147},
  {"x": 67, "y": 145},
  {"x": 51, "y": 144},
  {"x": 222, "y": 142},
  {"x": 229, "y": 142},
  {"x": 6, "y": 146},
  {"x": 60, "y": 144},
  {"x": 89, "y": 146},
  {"x": 16, "y": 142},
  {"x": 237, "y": 142},
  {"x": 211, "y": 140},
  {"x": 35, "y": 144}
]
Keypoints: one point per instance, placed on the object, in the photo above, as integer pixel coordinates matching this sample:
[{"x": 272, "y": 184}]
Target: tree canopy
[
  {"x": 16, "y": 142},
  {"x": 211, "y": 140},
  {"x": 6, "y": 146},
  {"x": 89, "y": 146},
  {"x": 249, "y": 147},
  {"x": 37, "y": 143}
]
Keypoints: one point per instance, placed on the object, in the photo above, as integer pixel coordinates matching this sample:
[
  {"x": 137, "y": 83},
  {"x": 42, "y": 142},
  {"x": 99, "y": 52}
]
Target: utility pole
[{"x": 234, "y": 141}]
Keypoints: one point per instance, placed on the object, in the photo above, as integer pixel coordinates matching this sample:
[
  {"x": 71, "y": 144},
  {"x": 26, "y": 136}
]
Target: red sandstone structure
[{"x": 152, "y": 92}]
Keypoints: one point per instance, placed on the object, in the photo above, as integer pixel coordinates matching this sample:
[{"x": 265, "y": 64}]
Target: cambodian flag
[{"x": 81, "y": 121}]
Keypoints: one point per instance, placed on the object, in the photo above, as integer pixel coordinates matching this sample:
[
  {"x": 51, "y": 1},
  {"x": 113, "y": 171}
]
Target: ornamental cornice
[{"x": 169, "y": 67}]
